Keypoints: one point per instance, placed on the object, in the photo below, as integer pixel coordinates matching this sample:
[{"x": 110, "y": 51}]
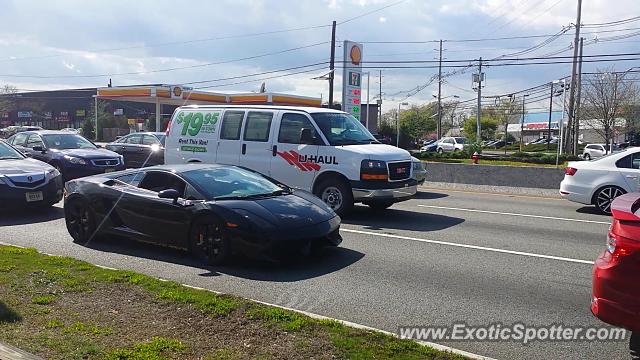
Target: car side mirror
[
  {"x": 170, "y": 194},
  {"x": 39, "y": 148}
]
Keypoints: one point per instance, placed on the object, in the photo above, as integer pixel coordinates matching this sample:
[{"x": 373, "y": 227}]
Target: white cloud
[{"x": 68, "y": 65}]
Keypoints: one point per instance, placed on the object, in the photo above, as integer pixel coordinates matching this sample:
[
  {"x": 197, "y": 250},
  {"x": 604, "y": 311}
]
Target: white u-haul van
[{"x": 324, "y": 151}]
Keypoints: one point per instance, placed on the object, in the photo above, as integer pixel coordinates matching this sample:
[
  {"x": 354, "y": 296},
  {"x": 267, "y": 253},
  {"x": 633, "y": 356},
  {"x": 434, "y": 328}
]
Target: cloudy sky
[{"x": 69, "y": 44}]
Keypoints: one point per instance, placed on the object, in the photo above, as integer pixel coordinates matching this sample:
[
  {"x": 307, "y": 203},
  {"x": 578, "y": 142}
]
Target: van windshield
[{"x": 342, "y": 129}]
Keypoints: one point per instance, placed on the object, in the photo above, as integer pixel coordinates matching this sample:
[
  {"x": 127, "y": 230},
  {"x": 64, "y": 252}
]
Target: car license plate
[
  {"x": 34, "y": 196},
  {"x": 109, "y": 170}
]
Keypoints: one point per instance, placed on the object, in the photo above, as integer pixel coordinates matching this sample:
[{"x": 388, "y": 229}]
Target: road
[{"x": 441, "y": 258}]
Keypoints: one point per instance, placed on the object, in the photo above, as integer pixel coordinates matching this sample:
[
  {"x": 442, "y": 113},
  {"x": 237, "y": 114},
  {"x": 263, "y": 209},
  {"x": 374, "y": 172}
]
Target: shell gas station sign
[{"x": 352, "y": 78}]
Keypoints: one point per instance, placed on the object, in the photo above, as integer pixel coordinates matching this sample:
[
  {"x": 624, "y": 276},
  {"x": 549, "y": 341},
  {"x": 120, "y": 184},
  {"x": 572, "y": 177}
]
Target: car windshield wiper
[
  {"x": 254, "y": 196},
  {"x": 10, "y": 158}
]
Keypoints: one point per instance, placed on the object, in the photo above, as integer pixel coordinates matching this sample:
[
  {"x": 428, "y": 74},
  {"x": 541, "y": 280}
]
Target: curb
[
  {"x": 309, "y": 314},
  {"x": 8, "y": 352},
  {"x": 491, "y": 189}
]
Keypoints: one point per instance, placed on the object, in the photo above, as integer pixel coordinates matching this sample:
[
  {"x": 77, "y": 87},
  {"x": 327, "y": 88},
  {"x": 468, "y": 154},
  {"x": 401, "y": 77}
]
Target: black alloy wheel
[{"x": 208, "y": 243}]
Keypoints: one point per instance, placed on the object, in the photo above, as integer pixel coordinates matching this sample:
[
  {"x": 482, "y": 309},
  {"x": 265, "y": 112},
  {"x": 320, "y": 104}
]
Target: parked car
[
  {"x": 451, "y": 144},
  {"x": 71, "y": 130},
  {"x": 212, "y": 210},
  {"x": 615, "y": 295},
  {"x": 26, "y": 182},
  {"x": 594, "y": 151},
  {"x": 430, "y": 147},
  {"x": 428, "y": 142},
  {"x": 73, "y": 155},
  {"x": 323, "y": 151},
  {"x": 419, "y": 170},
  {"x": 140, "y": 149},
  {"x": 600, "y": 181}
]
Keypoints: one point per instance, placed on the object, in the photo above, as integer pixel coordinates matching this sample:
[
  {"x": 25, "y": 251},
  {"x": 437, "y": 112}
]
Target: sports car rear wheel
[
  {"x": 80, "y": 220},
  {"x": 207, "y": 241}
]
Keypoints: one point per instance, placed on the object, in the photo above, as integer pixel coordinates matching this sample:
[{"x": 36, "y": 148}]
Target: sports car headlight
[{"x": 75, "y": 160}]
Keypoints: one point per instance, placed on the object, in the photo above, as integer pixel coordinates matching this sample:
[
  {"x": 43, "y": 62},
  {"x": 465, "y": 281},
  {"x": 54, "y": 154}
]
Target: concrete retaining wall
[{"x": 495, "y": 175}]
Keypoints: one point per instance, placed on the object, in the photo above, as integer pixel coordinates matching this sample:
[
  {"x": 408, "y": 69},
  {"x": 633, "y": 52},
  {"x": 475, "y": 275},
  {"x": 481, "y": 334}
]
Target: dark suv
[{"x": 73, "y": 155}]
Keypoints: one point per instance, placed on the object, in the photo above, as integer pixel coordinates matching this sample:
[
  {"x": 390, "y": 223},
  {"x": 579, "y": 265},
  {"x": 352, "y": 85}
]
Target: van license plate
[{"x": 34, "y": 196}]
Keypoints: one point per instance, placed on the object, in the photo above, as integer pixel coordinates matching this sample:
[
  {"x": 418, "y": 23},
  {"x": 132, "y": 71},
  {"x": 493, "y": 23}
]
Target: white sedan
[{"x": 600, "y": 181}]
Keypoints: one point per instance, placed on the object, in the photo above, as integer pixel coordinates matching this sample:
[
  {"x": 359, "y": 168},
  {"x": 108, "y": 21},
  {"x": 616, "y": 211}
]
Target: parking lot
[{"x": 443, "y": 257}]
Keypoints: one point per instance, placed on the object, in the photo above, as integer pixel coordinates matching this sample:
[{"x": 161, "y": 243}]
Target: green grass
[
  {"x": 43, "y": 299},
  {"x": 33, "y": 274},
  {"x": 158, "y": 348}
]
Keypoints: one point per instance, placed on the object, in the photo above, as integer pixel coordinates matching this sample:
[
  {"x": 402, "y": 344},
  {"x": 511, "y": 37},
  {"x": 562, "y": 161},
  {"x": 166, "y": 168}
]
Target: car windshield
[
  {"x": 9, "y": 153},
  {"x": 231, "y": 183},
  {"x": 342, "y": 129},
  {"x": 66, "y": 141}
]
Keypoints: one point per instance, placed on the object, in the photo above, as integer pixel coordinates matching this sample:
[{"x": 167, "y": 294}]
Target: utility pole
[
  {"x": 479, "y": 114},
  {"x": 576, "y": 129},
  {"x": 572, "y": 86},
  {"x": 380, "y": 98},
  {"x": 550, "y": 111},
  {"x": 439, "y": 131},
  {"x": 366, "y": 115},
  {"x": 522, "y": 124},
  {"x": 332, "y": 63}
]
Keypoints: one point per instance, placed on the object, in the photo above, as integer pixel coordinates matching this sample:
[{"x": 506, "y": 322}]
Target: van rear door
[
  {"x": 229, "y": 144},
  {"x": 256, "y": 149}
]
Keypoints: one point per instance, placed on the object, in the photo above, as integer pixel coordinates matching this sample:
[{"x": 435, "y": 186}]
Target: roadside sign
[{"x": 352, "y": 78}]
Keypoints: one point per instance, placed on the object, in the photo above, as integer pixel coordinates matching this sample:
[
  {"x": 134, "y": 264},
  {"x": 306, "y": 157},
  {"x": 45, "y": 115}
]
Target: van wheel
[
  {"x": 634, "y": 345},
  {"x": 337, "y": 194},
  {"x": 586, "y": 157}
]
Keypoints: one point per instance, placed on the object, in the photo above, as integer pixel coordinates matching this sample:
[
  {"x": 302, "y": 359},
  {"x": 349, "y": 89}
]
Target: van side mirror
[{"x": 307, "y": 137}]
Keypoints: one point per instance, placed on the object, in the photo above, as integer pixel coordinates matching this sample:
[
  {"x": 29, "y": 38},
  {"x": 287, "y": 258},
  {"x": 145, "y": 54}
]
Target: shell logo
[
  {"x": 177, "y": 91},
  {"x": 355, "y": 54}
]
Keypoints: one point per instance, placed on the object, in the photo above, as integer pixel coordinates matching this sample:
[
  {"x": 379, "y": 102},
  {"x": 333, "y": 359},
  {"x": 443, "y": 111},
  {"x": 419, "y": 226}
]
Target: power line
[
  {"x": 261, "y": 79},
  {"x": 173, "y": 43},
  {"x": 612, "y": 23},
  {"x": 492, "y": 39},
  {"x": 166, "y": 69},
  {"x": 370, "y": 12},
  {"x": 256, "y": 74}
]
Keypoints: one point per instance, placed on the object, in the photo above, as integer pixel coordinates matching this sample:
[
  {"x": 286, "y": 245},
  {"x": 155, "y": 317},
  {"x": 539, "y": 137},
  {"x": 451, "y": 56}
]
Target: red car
[{"x": 616, "y": 273}]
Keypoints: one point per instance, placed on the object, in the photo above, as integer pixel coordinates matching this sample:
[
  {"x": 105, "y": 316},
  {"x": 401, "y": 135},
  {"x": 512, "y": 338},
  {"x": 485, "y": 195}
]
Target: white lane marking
[
  {"x": 466, "y": 246},
  {"x": 315, "y": 316},
  {"x": 515, "y": 214}
]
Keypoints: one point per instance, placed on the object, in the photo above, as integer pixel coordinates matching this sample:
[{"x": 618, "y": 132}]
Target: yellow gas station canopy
[{"x": 180, "y": 95}]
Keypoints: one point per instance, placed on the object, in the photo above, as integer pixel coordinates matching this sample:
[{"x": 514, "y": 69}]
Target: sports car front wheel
[
  {"x": 80, "y": 221},
  {"x": 207, "y": 241}
]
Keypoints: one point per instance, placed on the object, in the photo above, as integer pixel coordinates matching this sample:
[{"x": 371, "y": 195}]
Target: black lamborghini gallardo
[{"x": 213, "y": 211}]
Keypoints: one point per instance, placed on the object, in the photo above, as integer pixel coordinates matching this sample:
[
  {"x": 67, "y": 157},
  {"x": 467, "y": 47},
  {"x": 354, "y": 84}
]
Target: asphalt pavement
[{"x": 442, "y": 258}]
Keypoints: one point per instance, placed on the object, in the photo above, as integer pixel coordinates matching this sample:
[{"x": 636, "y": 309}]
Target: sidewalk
[{"x": 11, "y": 353}]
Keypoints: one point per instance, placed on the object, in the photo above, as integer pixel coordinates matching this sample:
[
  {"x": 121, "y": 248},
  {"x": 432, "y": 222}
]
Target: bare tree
[
  {"x": 7, "y": 101},
  {"x": 607, "y": 97}
]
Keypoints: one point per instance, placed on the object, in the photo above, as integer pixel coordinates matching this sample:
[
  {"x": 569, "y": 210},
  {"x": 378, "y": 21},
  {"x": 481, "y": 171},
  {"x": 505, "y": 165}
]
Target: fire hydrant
[{"x": 475, "y": 157}]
